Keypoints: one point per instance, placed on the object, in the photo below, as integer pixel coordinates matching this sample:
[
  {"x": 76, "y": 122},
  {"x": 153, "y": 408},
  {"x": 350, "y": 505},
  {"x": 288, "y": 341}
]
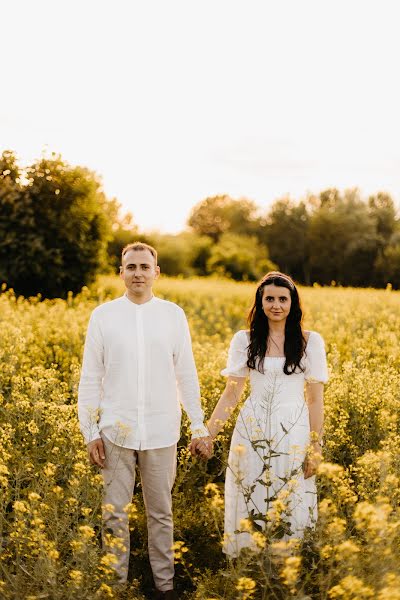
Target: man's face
[{"x": 139, "y": 271}]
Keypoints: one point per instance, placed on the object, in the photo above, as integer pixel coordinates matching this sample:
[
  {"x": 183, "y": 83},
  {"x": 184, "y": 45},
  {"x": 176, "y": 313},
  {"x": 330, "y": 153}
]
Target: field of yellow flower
[{"x": 50, "y": 498}]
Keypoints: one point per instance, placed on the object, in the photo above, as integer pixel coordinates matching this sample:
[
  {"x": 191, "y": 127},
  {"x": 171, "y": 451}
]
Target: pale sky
[{"x": 172, "y": 101}]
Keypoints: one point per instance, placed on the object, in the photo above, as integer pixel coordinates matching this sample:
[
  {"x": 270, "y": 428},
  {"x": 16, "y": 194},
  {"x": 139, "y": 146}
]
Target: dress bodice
[{"x": 285, "y": 389}]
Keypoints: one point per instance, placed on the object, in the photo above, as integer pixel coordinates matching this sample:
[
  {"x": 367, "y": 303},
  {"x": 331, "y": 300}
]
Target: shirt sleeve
[
  {"x": 90, "y": 385},
  {"x": 316, "y": 365},
  {"x": 237, "y": 356},
  {"x": 186, "y": 378}
]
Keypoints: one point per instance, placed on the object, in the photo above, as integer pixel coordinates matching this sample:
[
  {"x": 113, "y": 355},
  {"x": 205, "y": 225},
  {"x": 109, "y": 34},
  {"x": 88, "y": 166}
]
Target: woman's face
[{"x": 276, "y": 302}]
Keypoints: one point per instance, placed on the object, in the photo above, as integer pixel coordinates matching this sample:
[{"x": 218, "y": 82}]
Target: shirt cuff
[
  {"x": 199, "y": 430},
  {"x": 93, "y": 434}
]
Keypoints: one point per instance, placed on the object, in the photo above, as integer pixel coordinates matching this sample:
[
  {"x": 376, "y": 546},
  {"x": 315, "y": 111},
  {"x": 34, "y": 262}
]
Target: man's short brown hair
[{"x": 140, "y": 246}]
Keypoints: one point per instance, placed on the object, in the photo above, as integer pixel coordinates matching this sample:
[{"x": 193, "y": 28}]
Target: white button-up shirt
[{"x": 138, "y": 367}]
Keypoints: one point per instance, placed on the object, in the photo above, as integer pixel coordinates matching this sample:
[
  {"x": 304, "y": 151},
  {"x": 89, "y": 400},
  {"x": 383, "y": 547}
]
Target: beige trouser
[{"x": 157, "y": 472}]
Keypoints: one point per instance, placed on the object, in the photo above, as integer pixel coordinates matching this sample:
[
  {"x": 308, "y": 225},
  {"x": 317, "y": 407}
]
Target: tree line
[
  {"x": 330, "y": 237},
  {"x": 58, "y": 230}
]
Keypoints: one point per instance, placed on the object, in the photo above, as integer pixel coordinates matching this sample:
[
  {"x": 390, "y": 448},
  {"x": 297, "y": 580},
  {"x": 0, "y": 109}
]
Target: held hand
[
  {"x": 312, "y": 460},
  {"x": 202, "y": 447},
  {"x": 96, "y": 452}
]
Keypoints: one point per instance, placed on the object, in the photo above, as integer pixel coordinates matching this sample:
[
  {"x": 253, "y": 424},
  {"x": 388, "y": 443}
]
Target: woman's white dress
[{"x": 269, "y": 443}]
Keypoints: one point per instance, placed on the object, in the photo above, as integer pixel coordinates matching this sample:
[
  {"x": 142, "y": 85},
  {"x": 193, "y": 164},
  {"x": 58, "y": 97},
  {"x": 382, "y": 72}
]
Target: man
[{"x": 137, "y": 362}]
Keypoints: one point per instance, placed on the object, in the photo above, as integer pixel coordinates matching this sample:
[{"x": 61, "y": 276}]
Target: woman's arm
[
  {"x": 226, "y": 404},
  {"x": 315, "y": 402},
  {"x": 223, "y": 410}
]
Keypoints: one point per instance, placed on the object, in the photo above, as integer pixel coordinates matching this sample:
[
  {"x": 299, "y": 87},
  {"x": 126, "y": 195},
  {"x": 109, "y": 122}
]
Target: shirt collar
[{"x": 152, "y": 300}]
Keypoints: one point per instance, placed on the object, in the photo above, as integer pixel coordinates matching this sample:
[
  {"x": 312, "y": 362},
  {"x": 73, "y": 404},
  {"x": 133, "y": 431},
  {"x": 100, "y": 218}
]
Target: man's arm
[
  {"x": 187, "y": 380},
  {"x": 90, "y": 390}
]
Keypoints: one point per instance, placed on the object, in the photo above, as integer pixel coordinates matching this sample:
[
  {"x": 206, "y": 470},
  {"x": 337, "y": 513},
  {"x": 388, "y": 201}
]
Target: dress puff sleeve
[
  {"x": 316, "y": 368},
  {"x": 237, "y": 356}
]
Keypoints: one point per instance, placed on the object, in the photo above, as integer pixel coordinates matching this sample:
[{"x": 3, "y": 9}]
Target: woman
[{"x": 276, "y": 443}]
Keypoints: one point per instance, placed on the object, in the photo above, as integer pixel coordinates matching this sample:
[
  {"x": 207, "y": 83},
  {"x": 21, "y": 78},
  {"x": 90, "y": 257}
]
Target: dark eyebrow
[{"x": 272, "y": 296}]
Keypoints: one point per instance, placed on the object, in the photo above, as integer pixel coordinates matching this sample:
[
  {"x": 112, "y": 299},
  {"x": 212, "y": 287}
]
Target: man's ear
[
  {"x": 120, "y": 270},
  {"x": 157, "y": 271}
]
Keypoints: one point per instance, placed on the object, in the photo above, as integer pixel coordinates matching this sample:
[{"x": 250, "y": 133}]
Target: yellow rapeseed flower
[
  {"x": 76, "y": 576},
  {"x": 33, "y": 496},
  {"x": 109, "y": 559},
  {"x": 291, "y": 570},
  {"x": 86, "y": 532},
  {"x": 105, "y": 589},
  {"x": 259, "y": 539},
  {"x": 131, "y": 511},
  {"x": 20, "y": 506},
  {"x": 179, "y": 549},
  {"x": 53, "y": 554},
  {"x": 246, "y": 587},
  {"x": 346, "y": 549},
  {"x": 76, "y": 545},
  {"x": 245, "y": 525},
  {"x": 351, "y": 588},
  {"x": 32, "y": 427},
  {"x": 391, "y": 591},
  {"x": 49, "y": 469}
]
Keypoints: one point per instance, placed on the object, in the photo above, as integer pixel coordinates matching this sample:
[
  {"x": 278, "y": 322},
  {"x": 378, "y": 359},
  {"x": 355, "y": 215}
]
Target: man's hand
[
  {"x": 96, "y": 452},
  {"x": 202, "y": 447}
]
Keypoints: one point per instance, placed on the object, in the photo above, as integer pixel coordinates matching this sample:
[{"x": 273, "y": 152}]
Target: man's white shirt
[{"x": 138, "y": 368}]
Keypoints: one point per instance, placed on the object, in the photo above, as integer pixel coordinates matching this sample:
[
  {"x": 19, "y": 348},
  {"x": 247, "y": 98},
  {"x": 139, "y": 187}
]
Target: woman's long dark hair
[{"x": 295, "y": 342}]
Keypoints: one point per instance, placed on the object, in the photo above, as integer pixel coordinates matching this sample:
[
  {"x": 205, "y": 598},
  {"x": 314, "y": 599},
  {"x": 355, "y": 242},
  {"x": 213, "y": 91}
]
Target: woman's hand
[
  {"x": 312, "y": 460},
  {"x": 202, "y": 447}
]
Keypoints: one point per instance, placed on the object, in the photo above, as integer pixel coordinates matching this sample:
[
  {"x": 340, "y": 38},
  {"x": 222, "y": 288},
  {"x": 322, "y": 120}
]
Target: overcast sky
[{"x": 172, "y": 101}]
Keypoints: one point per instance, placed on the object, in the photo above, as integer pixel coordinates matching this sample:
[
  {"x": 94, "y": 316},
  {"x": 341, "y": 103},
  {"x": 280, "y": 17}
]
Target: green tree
[
  {"x": 387, "y": 264},
  {"x": 342, "y": 239},
  {"x": 220, "y": 214},
  {"x": 9, "y": 169},
  {"x": 382, "y": 209},
  {"x": 53, "y": 229},
  {"x": 287, "y": 237},
  {"x": 383, "y": 212},
  {"x": 240, "y": 257},
  {"x": 15, "y": 216}
]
